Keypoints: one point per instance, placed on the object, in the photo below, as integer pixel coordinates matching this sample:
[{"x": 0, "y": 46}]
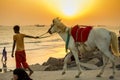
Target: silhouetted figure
[
  {"x": 20, "y": 74},
  {"x": 4, "y": 59},
  {"x": 119, "y": 40},
  {"x": 4, "y": 56},
  {"x": 118, "y": 66}
]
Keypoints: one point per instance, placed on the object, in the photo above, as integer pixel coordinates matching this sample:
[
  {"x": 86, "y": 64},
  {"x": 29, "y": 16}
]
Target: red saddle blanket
[{"x": 80, "y": 34}]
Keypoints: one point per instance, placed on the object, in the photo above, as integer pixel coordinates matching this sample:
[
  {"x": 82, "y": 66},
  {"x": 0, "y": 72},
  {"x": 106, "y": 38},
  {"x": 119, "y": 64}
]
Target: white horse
[{"x": 100, "y": 38}]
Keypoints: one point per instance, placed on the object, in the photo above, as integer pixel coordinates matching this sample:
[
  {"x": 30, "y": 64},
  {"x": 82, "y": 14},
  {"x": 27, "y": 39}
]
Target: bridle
[{"x": 50, "y": 29}]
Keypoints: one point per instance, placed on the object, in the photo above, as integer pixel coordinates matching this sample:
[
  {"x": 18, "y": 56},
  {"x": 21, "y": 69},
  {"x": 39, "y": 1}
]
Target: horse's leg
[
  {"x": 105, "y": 61},
  {"x": 108, "y": 53},
  {"x": 113, "y": 66},
  {"x": 75, "y": 54},
  {"x": 67, "y": 57},
  {"x": 112, "y": 59}
]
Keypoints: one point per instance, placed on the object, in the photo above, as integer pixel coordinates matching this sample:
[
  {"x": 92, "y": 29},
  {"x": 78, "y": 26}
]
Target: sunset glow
[
  {"x": 69, "y": 8},
  {"x": 27, "y": 12}
]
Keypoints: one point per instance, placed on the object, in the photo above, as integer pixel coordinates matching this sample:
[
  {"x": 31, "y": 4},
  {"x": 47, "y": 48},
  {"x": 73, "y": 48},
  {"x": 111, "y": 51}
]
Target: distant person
[
  {"x": 4, "y": 56},
  {"x": 119, "y": 40},
  {"x": 4, "y": 60},
  {"x": 20, "y": 74},
  {"x": 20, "y": 56},
  {"x": 118, "y": 66}
]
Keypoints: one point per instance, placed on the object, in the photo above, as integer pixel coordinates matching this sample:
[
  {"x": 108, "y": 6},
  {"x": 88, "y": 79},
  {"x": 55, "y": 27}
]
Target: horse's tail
[{"x": 114, "y": 44}]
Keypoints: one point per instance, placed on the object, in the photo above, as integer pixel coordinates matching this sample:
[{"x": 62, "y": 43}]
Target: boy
[{"x": 20, "y": 55}]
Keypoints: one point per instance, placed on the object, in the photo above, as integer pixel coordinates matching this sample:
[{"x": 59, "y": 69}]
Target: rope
[{"x": 41, "y": 36}]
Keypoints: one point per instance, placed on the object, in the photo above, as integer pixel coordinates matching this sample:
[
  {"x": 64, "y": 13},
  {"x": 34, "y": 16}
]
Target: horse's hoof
[
  {"x": 98, "y": 76},
  {"x": 77, "y": 76},
  {"x": 111, "y": 77},
  {"x": 63, "y": 73}
]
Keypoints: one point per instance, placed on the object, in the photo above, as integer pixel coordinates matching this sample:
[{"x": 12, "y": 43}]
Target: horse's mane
[{"x": 59, "y": 24}]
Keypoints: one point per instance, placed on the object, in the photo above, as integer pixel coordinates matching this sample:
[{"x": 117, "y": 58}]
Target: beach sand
[{"x": 56, "y": 75}]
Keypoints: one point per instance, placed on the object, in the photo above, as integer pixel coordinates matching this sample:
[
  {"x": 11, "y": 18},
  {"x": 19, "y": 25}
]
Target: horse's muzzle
[{"x": 49, "y": 31}]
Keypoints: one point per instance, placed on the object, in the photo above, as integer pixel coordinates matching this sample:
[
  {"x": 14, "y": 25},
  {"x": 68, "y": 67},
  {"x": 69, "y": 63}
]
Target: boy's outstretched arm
[
  {"x": 14, "y": 42},
  {"x": 28, "y": 36}
]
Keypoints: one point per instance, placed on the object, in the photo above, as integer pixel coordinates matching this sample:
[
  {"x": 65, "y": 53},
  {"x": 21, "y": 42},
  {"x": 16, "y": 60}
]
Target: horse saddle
[{"x": 80, "y": 33}]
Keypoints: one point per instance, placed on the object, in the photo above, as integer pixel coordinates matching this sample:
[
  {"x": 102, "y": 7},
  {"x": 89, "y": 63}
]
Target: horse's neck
[{"x": 63, "y": 35}]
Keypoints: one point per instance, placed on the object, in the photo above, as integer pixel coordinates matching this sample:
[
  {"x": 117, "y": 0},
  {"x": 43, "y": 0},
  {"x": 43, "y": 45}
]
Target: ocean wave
[
  {"x": 6, "y": 43},
  {"x": 34, "y": 42},
  {"x": 53, "y": 40}
]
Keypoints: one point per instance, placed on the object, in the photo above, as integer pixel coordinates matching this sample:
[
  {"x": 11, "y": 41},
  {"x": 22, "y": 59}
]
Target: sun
[
  {"x": 69, "y": 11},
  {"x": 69, "y": 8}
]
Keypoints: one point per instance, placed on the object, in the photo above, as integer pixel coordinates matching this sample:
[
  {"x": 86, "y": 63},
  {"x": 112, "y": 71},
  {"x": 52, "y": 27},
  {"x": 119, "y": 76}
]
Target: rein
[{"x": 41, "y": 36}]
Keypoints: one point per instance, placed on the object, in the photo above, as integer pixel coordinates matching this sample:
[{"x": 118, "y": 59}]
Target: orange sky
[{"x": 28, "y": 12}]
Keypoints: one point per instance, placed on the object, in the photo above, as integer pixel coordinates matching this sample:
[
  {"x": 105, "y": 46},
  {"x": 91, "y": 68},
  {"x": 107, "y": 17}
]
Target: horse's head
[{"x": 56, "y": 26}]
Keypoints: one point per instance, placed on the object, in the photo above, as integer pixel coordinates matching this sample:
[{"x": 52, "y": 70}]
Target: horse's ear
[{"x": 59, "y": 19}]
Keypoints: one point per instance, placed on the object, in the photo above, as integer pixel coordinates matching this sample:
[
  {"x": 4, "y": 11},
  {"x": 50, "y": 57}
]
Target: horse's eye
[{"x": 53, "y": 21}]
